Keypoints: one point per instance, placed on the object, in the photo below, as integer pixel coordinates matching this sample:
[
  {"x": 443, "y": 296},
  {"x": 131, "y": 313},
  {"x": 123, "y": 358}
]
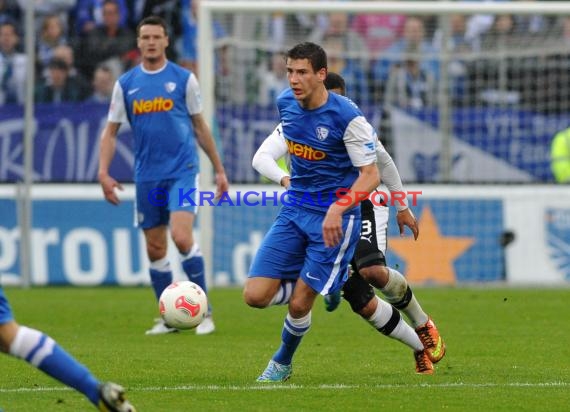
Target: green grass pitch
[{"x": 508, "y": 350}]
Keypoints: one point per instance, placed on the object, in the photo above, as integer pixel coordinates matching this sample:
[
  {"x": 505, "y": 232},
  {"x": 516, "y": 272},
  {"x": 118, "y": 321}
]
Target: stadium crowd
[{"x": 82, "y": 46}]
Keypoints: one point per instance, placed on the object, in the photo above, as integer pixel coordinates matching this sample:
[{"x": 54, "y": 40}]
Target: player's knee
[
  {"x": 155, "y": 250},
  {"x": 298, "y": 307},
  {"x": 255, "y": 297},
  {"x": 8, "y": 333},
  {"x": 376, "y": 275},
  {"x": 368, "y": 310},
  {"x": 357, "y": 292},
  {"x": 182, "y": 240}
]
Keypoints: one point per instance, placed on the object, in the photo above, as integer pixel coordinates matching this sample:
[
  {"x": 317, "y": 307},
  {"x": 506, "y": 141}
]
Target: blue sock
[
  {"x": 160, "y": 275},
  {"x": 45, "y": 354},
  {"x": 193, "y": 265},
  {"x": 293, "y": 332},
  {"x": 160, "y": 280},
  {"x": 194, "y": 269}
]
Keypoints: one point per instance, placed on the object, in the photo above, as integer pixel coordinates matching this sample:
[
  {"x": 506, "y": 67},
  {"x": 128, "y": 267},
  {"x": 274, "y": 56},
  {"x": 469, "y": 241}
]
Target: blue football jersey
[
  {"x": 317, "y": 143},
  {"x": 156, "y": 105}
]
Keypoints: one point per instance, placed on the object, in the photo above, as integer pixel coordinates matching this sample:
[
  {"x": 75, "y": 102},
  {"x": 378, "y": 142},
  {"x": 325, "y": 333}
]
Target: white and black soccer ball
[{"x": 183, "y": 305}]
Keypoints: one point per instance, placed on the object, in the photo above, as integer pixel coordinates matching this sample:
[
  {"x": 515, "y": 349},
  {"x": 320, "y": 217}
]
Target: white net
[
  {"x": 460, "y": 92},
  {"x": 456, "y": 97}
]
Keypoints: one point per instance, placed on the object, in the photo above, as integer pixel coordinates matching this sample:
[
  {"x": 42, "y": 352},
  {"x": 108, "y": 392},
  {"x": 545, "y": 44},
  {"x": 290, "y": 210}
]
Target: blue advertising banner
[
  {"x": 459, "y": 242},
  {"x": 558, "y": 238},
  {"x": 66, "y": 144},
  {"x": 78, "y": 242},
  {"x": 90, "y": 242},
  {"x": 488, "y": 144}
]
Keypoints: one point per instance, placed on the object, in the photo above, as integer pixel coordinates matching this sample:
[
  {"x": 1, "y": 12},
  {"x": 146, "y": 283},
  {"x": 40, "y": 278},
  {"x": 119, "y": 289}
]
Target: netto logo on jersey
[
  {"x": 305, "y": 152},
  {"x": 158, "y": 104}
]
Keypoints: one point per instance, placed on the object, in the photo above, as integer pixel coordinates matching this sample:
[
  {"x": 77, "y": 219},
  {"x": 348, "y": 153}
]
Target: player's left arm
[
  {"x": 392, "y": 180},
  {"x": 206, "y": 142},
  {"x": 203, "y": 134}
]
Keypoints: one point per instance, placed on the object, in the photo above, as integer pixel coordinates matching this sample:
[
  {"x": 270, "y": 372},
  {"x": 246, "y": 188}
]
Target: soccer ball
[{"x": 183, "y": 305}]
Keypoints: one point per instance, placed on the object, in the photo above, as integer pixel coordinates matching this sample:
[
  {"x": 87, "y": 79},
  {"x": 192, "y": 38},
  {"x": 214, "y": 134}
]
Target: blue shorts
[
  {"x": 155, "y": 200},
  {"x": 5, "y": 310},
  {"x": 294, "y": 248}
]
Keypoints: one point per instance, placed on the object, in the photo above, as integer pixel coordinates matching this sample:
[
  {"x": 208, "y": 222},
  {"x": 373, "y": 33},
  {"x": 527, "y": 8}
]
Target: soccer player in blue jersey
[
  {"x": 44, "y": 353},
  {"x": 333, "y": 160},
  {"x": 161, "y": 102},
  {"x": 369, "y": 254}
]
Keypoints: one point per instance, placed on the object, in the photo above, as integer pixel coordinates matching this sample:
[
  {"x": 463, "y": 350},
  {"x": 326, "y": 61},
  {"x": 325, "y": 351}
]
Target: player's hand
[
  {"x": 222, "y": 185},
  {"x": 108, "y": 184},
  {"x": 332, "y": 228},
  {"x": 406, "y": 218},
  {"x": 286, "y": 182}
]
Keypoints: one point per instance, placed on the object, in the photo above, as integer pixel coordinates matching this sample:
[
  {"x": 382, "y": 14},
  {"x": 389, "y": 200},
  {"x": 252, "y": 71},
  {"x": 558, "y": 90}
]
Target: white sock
[
  {"x": 194, "y": 251},
  {"x": 284, "y": 293},
  {"x": 387, "y": 320},
  {"x": 28, "y": 339},
  {"x": 161, "y": 265},
  {"x": 398, "y": 293}
]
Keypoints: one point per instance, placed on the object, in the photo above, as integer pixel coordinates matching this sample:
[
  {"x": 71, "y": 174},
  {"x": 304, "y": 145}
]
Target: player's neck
[
  {"x": 316, "y": 100},
  {"x": 152, "y": 65}
]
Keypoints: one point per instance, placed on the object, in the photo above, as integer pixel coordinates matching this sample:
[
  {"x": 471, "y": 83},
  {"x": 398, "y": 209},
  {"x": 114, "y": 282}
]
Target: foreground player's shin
[
  {"x": 45, "y": 354},
  {"x": 279, "y": 368}
]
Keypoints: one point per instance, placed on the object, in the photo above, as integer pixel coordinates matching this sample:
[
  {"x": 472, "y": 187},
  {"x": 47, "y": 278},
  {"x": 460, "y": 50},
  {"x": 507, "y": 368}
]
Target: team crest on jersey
[
  {"x": 170, "y": 86},
  {"x": 322, "y": 133}
]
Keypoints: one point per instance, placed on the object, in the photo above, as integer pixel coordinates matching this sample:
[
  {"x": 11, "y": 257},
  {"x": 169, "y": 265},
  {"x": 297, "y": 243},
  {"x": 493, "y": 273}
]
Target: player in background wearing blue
[
  {"x": 381, "y": 315},
  {"x": 309, "y": 245},
  {"x": 161, "y": 101},
  {"x": 45, "y": 354}
]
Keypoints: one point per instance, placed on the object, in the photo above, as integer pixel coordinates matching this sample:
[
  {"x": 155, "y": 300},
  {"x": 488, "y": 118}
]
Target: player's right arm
[
  {"x": 265, "y": 159},
  {"x": 108, "y": 143}
]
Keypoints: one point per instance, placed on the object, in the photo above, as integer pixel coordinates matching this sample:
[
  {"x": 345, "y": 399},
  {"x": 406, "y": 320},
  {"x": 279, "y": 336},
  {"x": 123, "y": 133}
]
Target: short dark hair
[
  {"x": 335, "y": 81},
  {"x": 153, "y": 21},
  {"x": 310, "y": 51},
  {"x": 57, "y": 63}
]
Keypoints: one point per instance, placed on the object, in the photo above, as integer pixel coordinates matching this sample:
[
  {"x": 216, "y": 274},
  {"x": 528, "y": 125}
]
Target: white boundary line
[{"x": 285, "y": 386}]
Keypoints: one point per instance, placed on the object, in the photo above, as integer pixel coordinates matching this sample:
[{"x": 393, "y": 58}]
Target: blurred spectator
[
  {"x": 12, "y": 66},
  {"x": 502, "y": 34},
  {"x": 273, "y": 81},
  {"x": 186, "y": 44},
  {"x": 66, "y": 53},
  {"x": 338, "y": 26},
  {"x": 409, "y": 86},
  {"x": 169, "y": 10},
  {"x": 89, "y": 15},
  {"x": 51, "y": 35},
  {"x": 459, "y": 47},
  {"x": 108, "y": 44},
  {"x": 42, "y": 8},
  {"x": 10, "y": 11},
  {"x": 350, "y": 69},
  {"x": 458, "y": 40},
  {"x": 286, "y": 29},
  {"x": 379, "y": 31},
  {"x": 103, "y": 83},
  {"x": 59, "y": 86},
  {"x": 560, "y": 156},
  {"x": 413, "y": 39}
]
